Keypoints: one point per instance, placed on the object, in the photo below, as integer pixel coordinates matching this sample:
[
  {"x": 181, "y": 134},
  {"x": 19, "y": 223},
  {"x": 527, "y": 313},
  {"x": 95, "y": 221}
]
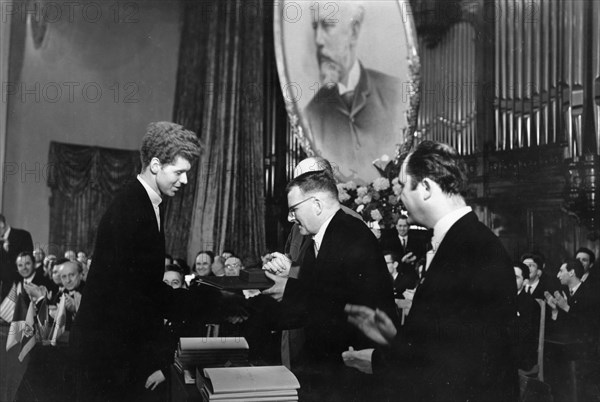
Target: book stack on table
[
  {"x": 209, "y": 352},
  {"x": 248, "y": 384}
]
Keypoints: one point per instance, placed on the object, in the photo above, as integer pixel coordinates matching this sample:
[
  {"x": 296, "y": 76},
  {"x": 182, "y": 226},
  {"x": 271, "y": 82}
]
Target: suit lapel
[{"x": 361, "y": 92}]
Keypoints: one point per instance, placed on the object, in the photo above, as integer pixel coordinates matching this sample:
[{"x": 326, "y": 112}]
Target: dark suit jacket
[
  {"x": 352, "y": 138},
  {"x": 528, "y": 320},
  {"x": 416, "y": 244},
  {"x": 19, "y": 241},
  {"x": 120, "y": 319},
  {"x": 581, "y": 323},
  {"x": 456, "y": 344},
  {"x": 547, "y": 283},
  {"x": 349, "y": 268}
]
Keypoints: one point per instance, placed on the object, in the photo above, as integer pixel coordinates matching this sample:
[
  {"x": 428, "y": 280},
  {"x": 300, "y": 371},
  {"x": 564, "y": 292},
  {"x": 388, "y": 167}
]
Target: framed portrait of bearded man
[{"x": 349, "y": 73}]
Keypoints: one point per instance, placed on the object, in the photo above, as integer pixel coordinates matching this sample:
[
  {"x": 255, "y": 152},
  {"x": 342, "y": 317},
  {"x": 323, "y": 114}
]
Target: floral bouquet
[{"x": 378, "y": 202}]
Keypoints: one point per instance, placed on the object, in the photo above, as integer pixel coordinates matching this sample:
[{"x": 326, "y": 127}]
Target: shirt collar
[
  {"x": 574, "y": 288},
  {"x": 353, "y": 78},
  {"x": 443, "y": 225},
  {"x": 318, "y": 238},
  {"x": 28, "y": 280},
  {"x": 6, "y": 232},
  {"x": 155, "y": 198}
]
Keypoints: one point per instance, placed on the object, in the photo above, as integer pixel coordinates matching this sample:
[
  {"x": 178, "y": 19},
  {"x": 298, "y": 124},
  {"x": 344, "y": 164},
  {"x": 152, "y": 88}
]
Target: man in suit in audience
[
  {"x": 587, "y": 259},
  {"x": 71, "y": 276},
  {"x": 538, "y": 282},
  {"x": 456, "y": 344},
  {"x": 342, "y": 264},
  {"x": 409, "y": 246},
  {"x": 575, "y": 312},
  {"x": 12, "y": 242},
  {"x": 528, "y": 320},
  {"x": 120, "y": 321},
  {"x": 404, "y": 278}
]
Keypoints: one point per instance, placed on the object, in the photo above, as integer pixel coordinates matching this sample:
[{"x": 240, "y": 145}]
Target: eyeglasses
[
  {"x": 232, "y": 265},
  {"x": 292, "y": 209}
]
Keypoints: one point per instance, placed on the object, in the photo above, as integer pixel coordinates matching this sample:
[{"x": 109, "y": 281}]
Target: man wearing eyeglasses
[
  {"x": 342, "y": 262},
  {"x": 233, "y": 265}
]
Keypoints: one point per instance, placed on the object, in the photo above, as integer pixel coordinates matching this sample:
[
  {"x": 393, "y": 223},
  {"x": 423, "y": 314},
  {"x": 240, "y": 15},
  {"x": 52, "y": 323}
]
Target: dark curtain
[
  {"x": 219, "y": 95},
  {"x": 83, "y": 181}
]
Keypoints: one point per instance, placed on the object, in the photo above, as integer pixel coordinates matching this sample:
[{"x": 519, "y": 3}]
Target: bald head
[{"x": 312, "y": 164}]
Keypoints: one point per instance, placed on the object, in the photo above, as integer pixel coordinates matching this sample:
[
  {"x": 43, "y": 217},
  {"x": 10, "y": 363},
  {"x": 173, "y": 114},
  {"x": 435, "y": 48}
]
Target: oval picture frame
[{"x": 351, "y": 90}]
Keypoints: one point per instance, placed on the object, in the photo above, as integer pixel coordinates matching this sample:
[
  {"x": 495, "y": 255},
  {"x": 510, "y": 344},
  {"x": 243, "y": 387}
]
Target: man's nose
[{"x": 183, "y": 178}]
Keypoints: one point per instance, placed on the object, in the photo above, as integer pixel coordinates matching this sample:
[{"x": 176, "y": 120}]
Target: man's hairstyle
[
  {"x": 576, "y": 265},
  {"x": 538, "y": 259},
  {"x": 25, "y": 254},
  {"x": 314, "y": 181},
  {"x": 61, "y": 261},
  {"x": 77, "y": 264},
  {"x": 209, "y": 253},
  {"x": 524, "y": 269},
  {"x": 393, "y": 254},
  {"x": 174, "y": 268},
  {"x": 403, "y": 217},
  {"x": 440, "y": 163},
  {"x": 166, "y": 141},
  {"x": 588, "y": 252}
]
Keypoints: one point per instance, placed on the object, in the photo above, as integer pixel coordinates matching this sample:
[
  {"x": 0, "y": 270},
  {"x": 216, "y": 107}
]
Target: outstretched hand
[
  {"x": 276, "y": 291},
  {"x": 359, "y": 359},
  {"x": 277, "y": 263},
  {"x": 374, "y": 324}
]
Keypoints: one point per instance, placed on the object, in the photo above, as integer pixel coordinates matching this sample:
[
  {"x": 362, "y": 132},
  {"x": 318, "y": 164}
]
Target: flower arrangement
[{"x": 379, "y": 201}]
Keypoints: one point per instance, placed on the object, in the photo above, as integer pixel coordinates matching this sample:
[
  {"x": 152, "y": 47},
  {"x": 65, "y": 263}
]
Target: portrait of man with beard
[{"x": 356, "y": 115}]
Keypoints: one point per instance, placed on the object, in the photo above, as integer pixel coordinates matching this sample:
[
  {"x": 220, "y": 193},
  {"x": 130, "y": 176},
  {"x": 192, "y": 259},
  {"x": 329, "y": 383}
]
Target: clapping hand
[
  {"x": 561, "y": 300},
  {"x": 35, "y": 292},
  {"x": 550, "y": 300},
  {"x": 409, "y": 258},
  {"x": 69, "y": 303},
  {"x": 374, "y": 324}
]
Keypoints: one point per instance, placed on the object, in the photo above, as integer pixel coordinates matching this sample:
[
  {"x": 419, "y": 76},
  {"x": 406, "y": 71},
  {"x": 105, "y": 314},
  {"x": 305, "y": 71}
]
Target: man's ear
[
  {"x": 426, "y": 188},
  {"x": 155, "y": 165}
]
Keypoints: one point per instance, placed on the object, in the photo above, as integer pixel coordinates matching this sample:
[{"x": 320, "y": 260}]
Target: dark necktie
[{"x": 348, "y": 98}]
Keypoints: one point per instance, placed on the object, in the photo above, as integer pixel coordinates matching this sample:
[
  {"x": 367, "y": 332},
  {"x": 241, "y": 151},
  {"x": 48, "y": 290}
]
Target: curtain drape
[
  {"x": 219, "y": 95},
  {"x": 83, "y": 181}
]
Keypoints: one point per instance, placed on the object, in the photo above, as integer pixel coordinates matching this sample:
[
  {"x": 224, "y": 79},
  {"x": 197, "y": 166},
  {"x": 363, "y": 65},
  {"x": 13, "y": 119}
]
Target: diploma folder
[{"x": 257, "y": 383}]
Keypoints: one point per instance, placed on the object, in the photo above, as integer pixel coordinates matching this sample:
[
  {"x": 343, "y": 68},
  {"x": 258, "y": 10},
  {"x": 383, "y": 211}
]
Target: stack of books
[
  {"x": 248, "y": 384},
  {"x": 209, "y": 352}
]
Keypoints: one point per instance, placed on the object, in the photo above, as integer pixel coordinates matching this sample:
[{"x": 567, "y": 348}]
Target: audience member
[
  {"x": 203, "y": 262},
  {"x": 82, "y": 258},
  {"x": 38, "y": 256},
  {"x": 233, "y": 265},
  {"x": 538, "y": 281},
  {"x": 12, "y": 242},
  {"x": 70, "y": 255},
  {"x": 456, "y": 343},
  {"x": 227, "y": 253},
  {"x": 168, "y": 259},
  {"x": 408, "y": 245},
  {"x": 71, "y": 276},
  {"x": 587, "y": 259},
  {"x": 528, "y": 320},
  {"x": 218, "y": 266},
  {"x": 48, "y": 264},
  {"x": 575, "y": 312},
  {"x": 182, "y": 264},
  {"x": 403, "y": 279},
  {"x": 173, "y": 277}
]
